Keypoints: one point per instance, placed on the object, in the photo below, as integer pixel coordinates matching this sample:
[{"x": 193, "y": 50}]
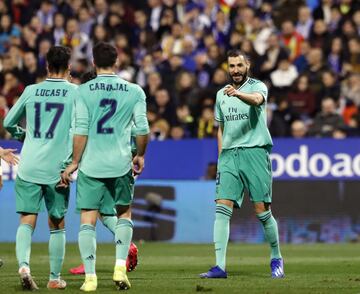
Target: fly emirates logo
[
  {"x": 234, "y": 115},
  {"x": 304, "y": 165}
]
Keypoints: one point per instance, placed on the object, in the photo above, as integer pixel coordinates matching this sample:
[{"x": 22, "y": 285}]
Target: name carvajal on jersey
[{"x": 109, "y": 87}]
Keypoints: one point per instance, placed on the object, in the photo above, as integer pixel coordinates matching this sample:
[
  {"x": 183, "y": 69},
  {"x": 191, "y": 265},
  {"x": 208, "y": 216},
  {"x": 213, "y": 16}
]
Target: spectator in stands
[
  {"x": 323, "y": 11},
  {"x": 58, "y": 29},
  {"x": 86, "y": 21},
  {"x": 12, "y": 88},
  {"x": 315, "y": 69},
  {"x": 75, "y": 39},
  {"x": 282, "y": 118},
  {"x": 165, "y": 107},
  {"x": 159, "y": 130},
  {"x": 301, "y": 98},
  {"x": 305, "y": 21},
  {"x": 177, "y": 132},
  {"x": 101, "y": 10},
  {"x": 154, "y": 82},
  {"x": 46, "y": 14},
  {"x": 7, "y": 31},
  {"x": 30, "y": 70},
  {"x": 270, "y": 60},
  {"x": 187, "y": 91},
  {"x": 205, "y": 125},
  {"x": 329, "y": 88},
  {"x": 350, "y": 89},
  {"x": 352, "y": 60},
  {"x": 298, "y": 129},
  {"x": 284, "y": 75},
  {"x": 326, "y": 121},
  {"x": 291, "y": 39},
  {"x": 319, "y": 36},
  {"x": 185, "y": 119}
]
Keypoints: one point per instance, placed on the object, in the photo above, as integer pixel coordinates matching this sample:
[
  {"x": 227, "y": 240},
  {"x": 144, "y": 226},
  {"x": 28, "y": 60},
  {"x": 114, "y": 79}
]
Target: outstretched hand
[
  {"x": 230, "y": 91},
  {"x": 9, "y": 156}
]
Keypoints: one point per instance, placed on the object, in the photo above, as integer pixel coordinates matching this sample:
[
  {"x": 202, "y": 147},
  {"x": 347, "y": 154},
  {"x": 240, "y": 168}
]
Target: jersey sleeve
[
  {"x": 139, "y": 114},
  {"x": 218, "y": 113},
  {"x": 81, "y": 116},
  {"x": 261, "y": 88},
  {"x": 16, "y": 113}
]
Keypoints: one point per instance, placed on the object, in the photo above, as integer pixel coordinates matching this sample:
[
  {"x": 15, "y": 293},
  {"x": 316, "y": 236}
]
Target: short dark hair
[
  {"x": 104, "y": 55},
  {"x": 58, "y": 58},
  {"x": 236, "y": 53}
]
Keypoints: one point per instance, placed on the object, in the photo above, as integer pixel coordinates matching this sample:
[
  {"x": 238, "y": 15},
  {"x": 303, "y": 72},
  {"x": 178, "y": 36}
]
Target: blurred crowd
[{"x": 307, "y": 52}]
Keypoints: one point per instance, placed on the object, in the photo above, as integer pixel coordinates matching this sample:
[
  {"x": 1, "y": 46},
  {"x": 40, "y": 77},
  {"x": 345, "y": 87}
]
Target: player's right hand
[
  {"x": 66, "y": 178},
  {"x": 138, "y": 165}
]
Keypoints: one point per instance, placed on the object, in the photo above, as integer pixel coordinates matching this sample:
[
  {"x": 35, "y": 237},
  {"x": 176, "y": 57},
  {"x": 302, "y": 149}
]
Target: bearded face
[{"x": 238, "y": 68}]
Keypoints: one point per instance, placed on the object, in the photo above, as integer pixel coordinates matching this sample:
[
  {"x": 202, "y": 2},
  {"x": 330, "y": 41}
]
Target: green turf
[{"x": 170, "y": 268}]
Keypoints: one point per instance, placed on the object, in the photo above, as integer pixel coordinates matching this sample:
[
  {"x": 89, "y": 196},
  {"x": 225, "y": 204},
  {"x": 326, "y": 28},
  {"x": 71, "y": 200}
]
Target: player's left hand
[
  {"x": 66, "y": 178},
  {"x": 138, "y": 164},
  {"x": 9, "y": 156},
  {"x": 231, "y": 91}
]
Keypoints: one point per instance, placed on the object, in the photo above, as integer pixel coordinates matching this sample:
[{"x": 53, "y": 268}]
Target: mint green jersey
[
  {"x": 48, "y": 108},
  {"x": 244, "y": 124},
  {"x": 106, "y": 110}
]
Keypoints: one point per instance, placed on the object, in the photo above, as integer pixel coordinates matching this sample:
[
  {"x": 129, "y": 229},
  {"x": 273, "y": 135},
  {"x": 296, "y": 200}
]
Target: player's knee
[
  {"x": 261, "y": 207},
  {"x": 56, "y": 223},
  {"x": 123, "y": 211},
  {"x": 226, "y": 202},
  {"x": 28, "y": 219}
]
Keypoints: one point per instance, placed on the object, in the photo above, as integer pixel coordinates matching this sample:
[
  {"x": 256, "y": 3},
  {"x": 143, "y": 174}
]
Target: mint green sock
[
  {"x": 271, "y": 232},
  {"x": 87, "y": 246},
  {"x": 110, "y": 222},
  {"x": 221, "y": 233},
  {"x": 23, "y": 244},
  {"x": 56, "y": 252},
  {"x": 123, "y": 236}
]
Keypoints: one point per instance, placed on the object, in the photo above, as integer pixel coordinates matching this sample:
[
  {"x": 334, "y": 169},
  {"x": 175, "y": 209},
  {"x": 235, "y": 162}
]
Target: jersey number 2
[
  {"x": 100, "y": 125},
  {"x": 59, "y": 107}
]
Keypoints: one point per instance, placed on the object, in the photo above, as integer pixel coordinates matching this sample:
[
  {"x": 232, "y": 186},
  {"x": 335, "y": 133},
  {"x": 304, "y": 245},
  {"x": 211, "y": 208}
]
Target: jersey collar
[
  {"x": 243, "y": 84},
  {"x": 55, "y": 80},
  {"x": 107, "y": 75}
]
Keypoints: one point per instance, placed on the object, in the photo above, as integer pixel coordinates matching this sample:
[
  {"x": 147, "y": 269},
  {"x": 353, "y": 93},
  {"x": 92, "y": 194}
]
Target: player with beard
[{"x": 244, "y": 144}]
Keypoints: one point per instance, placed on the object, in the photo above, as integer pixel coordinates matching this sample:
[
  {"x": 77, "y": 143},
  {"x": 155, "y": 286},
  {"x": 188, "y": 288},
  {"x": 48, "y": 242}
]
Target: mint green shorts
[
  {"x": 30, "y": 196},
  {"x": 244, "y": 168},
  {"x": 103, "y": 194}
]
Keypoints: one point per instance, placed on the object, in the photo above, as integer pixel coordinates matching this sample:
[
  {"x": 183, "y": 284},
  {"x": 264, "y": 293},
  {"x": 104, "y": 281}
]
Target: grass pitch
[{"x": 173, "y": 268}]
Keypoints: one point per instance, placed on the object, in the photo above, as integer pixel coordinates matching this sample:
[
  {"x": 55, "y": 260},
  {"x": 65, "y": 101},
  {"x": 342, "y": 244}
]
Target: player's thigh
[
  {"x": 229, "y": 185},
  {"x": 122, "y": 189},
  {"x": 107, "y": 203},
  {"x": 258, "y": 174},
  {"x": 28, "y": 196},
  {"x": 56, "y": 200},
  {"x": 89, "y": 192}
]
